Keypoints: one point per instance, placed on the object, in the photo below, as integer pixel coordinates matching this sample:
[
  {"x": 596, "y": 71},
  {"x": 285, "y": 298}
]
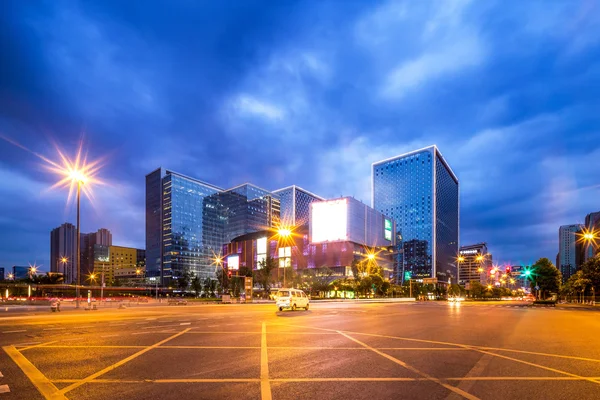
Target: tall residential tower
[{"x": 420, "y": 192}]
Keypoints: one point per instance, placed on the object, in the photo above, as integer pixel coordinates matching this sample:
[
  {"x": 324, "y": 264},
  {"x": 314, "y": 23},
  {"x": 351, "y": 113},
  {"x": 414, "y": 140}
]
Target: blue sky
[{"x": 307, "y": 93}]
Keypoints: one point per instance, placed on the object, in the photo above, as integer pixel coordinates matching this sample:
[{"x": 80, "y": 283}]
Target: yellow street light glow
[
  {"x": 479, "y": 258},
  {"x": 64, "y": 260},
  {"x": 284, "y": 232},
  {"x": 512, "y": 281},
  {"x": 480, "y": 270},
  {"x": 489, "y": 287},
  {"x": 11, "y": 276},
  {"x": 460, "y": 259},
  {"x": 371, "y": 256}
]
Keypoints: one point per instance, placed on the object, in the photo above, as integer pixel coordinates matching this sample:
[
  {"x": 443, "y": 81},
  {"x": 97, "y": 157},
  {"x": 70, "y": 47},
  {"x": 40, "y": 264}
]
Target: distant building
[
  {"x": 475, "y": 263},
  {"x": 295, "y": 205},
  {"x": 102, "y": 237},
  {"x": 420, "y": 192},
  {"x": 2, "y": 276},
  {"x": 568, "y": 250},
  {"x": 63, "y": 245},
  {"x": 20, "y": 272},
  {"x": 118, "y": 264},
  {"x": 592, "y": 224},
  {"x": 517, "y": 272}
]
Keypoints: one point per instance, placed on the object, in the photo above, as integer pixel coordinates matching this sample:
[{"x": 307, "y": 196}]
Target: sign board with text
[{"x": 429, "y": 281}]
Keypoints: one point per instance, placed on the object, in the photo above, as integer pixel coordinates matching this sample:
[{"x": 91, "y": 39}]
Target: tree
[
  {"x": 223, "y": 279},
  {"x": 196, "y": 285},
  {"x": 546, "y": 276},
  {"x": 477, "y": 290},
  {"x": 263, "y": 274},
  {"x": 577, "y": 283},
  {"x": 183, "y": 281},
  {"x": 591, "y": 271}
]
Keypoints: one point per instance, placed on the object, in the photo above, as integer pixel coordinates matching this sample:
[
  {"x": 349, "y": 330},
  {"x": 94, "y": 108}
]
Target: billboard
[
  {"x": 387, "y": 229},
  {"x": 329, "y": 221},
  {"x": 233, "y": 262},
  {"x": 261, "y": 251}
]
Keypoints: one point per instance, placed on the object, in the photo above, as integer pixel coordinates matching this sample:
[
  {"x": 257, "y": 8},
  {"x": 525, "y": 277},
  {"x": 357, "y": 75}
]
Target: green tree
[
  {"x": 591, "y": 271},
  {"x": 477, "y": 290},
  {"x": 262, "y": 276},
  {"x": 223, "y": 278},
  {"x": 576, "y": 284},
  {"x": 184, "y": 280},
  {"x": 196, "y": 285},
  {"x": 546, "y": 276}
]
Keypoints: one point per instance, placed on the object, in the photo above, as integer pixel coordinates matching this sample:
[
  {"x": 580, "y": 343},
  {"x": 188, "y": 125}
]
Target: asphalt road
[{"x": 333, "y": 351}]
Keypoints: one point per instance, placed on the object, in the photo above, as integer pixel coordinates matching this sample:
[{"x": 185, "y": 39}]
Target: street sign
[
  {"x": 407, "y": 275},
  {"x": 537, "y": 288},
  {"x": 429, "y": 281}
]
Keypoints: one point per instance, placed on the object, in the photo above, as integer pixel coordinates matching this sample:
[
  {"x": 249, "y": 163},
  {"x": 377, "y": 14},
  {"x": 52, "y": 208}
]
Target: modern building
[
  {"x": 592, "y": 224},
  {"x": 20, "y": 272},
  {"x": 474, "y": 263},
  {"x": 569, "y": 251},
  {"x": 339, "y": 231},
  {"x": 2, "y": 276},
  {"x": 188, "y": 221},
  {"x": 295, "y": 205},
  {"x": 63, "y": 245},
  {"x": 420, "y": 192},
  {"x": 87, "y": 242},
  {"x": 113, "y": 264}
]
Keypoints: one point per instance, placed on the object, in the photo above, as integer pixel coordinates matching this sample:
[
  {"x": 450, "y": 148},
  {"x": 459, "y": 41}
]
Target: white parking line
[
  {"x": 1, "y": 376},
  {"x": 14, "y": 331},
  {"x": 185, "y": 323},
  {"x": 53, "y": 329},
  {"x": 4, "y": 389}
]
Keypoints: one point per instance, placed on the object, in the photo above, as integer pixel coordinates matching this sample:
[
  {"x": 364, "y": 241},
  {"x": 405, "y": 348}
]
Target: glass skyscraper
[
  {"x": 188, "y": 221},
  {"x": 421, "y": 193},
  {"x": 295, "y": 205}
]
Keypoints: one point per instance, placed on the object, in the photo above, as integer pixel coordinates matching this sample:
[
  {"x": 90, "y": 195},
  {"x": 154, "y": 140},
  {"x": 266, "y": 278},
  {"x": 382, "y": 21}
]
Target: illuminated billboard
[
  {"x": 387, "y": 231},
  {"x": 329, "y": 221},
  {"x": 261, "y": 251},
  {"x": 233, "y": 262}
]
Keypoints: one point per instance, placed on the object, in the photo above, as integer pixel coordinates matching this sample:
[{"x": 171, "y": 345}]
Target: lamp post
[{"x": 284, "y": 234}]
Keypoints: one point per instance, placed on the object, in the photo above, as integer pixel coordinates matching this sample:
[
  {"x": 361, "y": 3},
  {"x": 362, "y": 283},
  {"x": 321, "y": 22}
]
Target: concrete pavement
[{"x": 334, "y": 351}]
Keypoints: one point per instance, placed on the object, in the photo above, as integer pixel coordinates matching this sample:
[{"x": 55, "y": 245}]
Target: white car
[{"x": 291, "y": 298}]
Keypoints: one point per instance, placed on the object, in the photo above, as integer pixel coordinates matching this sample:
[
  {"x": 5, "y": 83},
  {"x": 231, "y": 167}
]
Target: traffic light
[
  {"x": 229, "y": 274},
  {"x": 508, "y": 270}
]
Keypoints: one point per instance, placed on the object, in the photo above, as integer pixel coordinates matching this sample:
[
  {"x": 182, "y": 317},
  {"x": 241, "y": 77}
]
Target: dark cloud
[{"x": 306, "y": 93}]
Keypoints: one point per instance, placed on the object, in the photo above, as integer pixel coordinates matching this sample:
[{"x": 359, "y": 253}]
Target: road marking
[
  {"x": 185, "y": 323},
  {"x": 558, "y": 371},
  {"x": 225, "y": 380},
  {"x": 265, "y": 385},
  {"x": 413, "y": 369},
  {"x": 83, "y": 327},
  {"x": 15, "y": 331},
  {"x": 108, "y": 336},
  {"x": 45, "y": 387},
  {"x": 4, "y": 389},
  {"x": 1, "y": 376},
  {"x": 37, "y": 345},
  {"x": 119, "y": 363},
  {"x": 140, "y": 323},
  {"x": 476, "y": 371},
  {"x": 53, "y": 329}
]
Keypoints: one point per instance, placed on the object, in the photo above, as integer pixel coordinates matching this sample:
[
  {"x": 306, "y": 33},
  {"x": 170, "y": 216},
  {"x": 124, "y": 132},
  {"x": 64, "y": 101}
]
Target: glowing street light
[
  {"x": 479, "y": 258},
  {"x": 11, "y": 276},
  {"x": 77, "y": 175}
]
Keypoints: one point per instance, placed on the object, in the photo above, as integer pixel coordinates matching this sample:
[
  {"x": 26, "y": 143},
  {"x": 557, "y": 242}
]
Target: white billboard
[
  {"x": 329, "y": 221},
  {"x": 233, "y": 262}
]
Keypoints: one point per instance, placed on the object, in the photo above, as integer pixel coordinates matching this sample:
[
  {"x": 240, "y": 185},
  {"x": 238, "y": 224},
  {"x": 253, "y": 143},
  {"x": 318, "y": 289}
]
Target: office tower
[
  {"x": 474, "y": 263},
  {"x": 295, "y": 205},
  {"x": 421, "y": 193},
  {"x": 188, "y": 221},
  {"x": 568, "y": 250},
  {"x": 102, "y": 237},
  {"x": 63, "y": 252}
]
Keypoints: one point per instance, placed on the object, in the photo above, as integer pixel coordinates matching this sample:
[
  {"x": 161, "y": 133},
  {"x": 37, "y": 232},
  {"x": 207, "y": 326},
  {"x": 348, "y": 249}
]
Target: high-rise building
[
  {"x": 87, "y": 242},
  {"x": 63, "y": 246},
  {"x": 188, "y": 221},
  {"x": 295, "y": 205},
  {"x": 568, "y": 256},
  {"x": 20, "y": 272},
  {"x": 117, "y": 262},
  {"x": 592, "y": 224},
  {"x": 2, "y": 277},
  {"x": 420, "y": 192},
  {"x": 474, "y": 263}
]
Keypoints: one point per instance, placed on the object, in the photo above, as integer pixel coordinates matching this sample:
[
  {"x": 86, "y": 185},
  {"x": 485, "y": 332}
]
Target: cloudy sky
[{"x": 307, "y": 93}]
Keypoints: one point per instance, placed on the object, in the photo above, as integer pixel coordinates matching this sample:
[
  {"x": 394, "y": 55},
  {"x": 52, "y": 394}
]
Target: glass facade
[
  {"x": 188, "y": 221},
  {"x": 295, "y": 205},
  {"x": 187, "y": 246},
  {"x": 419, "y": 191}
]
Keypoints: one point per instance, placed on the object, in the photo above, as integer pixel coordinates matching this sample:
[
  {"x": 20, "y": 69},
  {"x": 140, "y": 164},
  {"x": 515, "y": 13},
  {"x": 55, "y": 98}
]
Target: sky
[{"x": 301, "y": 92}]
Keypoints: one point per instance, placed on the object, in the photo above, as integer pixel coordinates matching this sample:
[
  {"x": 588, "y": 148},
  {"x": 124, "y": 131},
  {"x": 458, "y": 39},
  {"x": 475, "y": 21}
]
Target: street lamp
[
  {"x": 284, "y": 234},
  {"x": 11, "y": 276},
  {"x": 32, "y": 271}
]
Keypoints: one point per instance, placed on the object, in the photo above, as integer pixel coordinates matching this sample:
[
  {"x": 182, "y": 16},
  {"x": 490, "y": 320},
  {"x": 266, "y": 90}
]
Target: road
[{"x": 332, "y": 351}]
